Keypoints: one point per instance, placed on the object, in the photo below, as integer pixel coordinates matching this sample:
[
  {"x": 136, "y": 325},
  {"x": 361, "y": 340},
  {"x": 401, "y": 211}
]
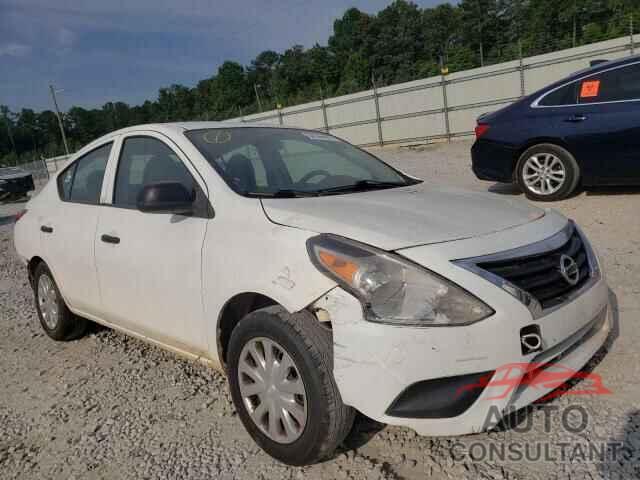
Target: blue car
[{"x": 584, "y": 130}]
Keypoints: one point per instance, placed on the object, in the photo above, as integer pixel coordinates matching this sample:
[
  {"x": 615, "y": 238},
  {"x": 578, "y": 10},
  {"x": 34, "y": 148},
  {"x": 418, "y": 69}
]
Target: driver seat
[{"x": 241, "y": 172}]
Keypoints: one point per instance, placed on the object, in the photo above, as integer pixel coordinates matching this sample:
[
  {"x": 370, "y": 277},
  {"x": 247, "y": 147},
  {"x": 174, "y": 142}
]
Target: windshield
[{"x": 281, "y": 162}]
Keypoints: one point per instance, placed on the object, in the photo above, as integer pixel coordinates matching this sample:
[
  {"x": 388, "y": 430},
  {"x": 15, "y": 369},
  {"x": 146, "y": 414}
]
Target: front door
[{"x": 149, "y": 264}]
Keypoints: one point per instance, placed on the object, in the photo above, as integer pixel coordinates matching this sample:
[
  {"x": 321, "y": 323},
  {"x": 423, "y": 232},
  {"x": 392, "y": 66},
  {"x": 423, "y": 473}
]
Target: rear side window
[
  {"x": 566, "y": 95},
  {"x": 612, "y": 86},
  {"x": 146, "y": 160},
  {"x": 82, "y": 181}
]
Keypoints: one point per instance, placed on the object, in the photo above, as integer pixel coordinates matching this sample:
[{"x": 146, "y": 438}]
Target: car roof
[
  {"x": 186, "y": 126},
  {"x": 609, "y": 64},
  {"x": 9, "y": 173},
  {"x": 172, "y": 128},
  {"x": 591, "y": 70}
]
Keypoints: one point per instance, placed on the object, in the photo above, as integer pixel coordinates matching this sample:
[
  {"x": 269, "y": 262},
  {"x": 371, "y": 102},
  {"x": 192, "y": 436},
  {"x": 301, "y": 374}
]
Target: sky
[{"x": 98, "y": 51}]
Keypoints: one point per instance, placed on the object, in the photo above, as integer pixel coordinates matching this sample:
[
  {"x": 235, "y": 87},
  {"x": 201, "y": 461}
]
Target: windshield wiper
[
  {"x": 361, "y": 185},
  {"x": 283, "y": 193}
]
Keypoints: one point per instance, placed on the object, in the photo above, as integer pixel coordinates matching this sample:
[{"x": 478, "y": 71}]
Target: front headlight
[{"x": 392, "y": 289}]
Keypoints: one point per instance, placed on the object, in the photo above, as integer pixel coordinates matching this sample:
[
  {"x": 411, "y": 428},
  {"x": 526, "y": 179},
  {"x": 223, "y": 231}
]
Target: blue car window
[
  {"x": 612, "y": 86},
  {"x": 566, "y": 95}
]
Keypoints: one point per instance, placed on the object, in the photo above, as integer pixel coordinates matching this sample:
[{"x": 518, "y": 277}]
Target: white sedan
[{"x": 322, "y": 280}]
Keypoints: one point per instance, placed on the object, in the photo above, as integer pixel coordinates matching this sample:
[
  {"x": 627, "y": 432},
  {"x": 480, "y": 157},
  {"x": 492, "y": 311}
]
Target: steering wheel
[{"x": 314, "y": 173}]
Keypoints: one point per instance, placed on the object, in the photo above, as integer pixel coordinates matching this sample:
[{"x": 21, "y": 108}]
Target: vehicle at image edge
[
  {"x": 584, "y": 129},
  {"x": 322, "y": 280},
  {"x": 15, "y": 183}
]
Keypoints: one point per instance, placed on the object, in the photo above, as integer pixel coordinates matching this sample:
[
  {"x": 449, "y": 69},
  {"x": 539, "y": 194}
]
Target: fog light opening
[{"x": 530, "y": 339}]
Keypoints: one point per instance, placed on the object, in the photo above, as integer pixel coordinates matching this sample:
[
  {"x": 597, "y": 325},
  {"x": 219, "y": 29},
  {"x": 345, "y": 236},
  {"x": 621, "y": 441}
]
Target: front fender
[{"x": 266, "y": 258}]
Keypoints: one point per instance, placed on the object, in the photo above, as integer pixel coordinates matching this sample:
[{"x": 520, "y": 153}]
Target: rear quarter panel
[{"x": 26, "y": 232}]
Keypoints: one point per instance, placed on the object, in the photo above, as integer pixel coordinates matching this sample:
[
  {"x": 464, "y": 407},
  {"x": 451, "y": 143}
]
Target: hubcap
[
  {"x": 544, "y": 174},
  {"x": 47, "y": 301},
  {"x": 272, "y": 390}
]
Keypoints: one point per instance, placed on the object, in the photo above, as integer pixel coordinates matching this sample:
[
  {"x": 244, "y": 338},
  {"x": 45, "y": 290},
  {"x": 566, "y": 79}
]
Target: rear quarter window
[
  {"x": 567, "y": 95},
  {"x": 81, "y": 182}
]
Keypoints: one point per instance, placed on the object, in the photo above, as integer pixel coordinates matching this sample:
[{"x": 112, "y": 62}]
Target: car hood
[{"x": 397, "y": 218}]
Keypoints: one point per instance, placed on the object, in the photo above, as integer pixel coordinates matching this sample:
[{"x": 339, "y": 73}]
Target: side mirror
[{"x": 166, "y": 197}]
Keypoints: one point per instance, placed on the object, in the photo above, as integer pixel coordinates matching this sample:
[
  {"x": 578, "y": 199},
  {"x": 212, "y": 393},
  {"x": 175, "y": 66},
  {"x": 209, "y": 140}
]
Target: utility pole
[
  {"x": 55, "y": 103},
  {"x": 255, "y": 89}
]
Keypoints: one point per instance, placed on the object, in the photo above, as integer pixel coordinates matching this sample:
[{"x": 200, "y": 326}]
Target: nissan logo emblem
[{"x": 569, "y": 269}]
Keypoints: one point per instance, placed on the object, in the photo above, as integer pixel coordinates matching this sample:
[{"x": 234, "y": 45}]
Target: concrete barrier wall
[
  {"x": 440, "y": 107},
  {"x": 54, "y": 163}
]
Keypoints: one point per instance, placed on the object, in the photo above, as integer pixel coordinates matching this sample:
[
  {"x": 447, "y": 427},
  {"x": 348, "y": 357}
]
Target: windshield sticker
[
  {"x": 217, "y": 136},
  {"x": 319, "y": 136},
  {"x": 590, "y": 89}
]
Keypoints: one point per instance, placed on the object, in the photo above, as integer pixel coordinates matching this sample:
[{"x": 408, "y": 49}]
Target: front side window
[
  {"x": 146, "y": 160},
  {"x": 289, "y": 162},
  {"x": 612, "y": 86},
  {"x": 82, "y": 181}
]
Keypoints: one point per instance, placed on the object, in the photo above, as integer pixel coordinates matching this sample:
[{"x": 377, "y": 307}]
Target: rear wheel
[
  {"x": 55, "y": 317},
  {"x": 280, "y": 368},
  {"x": 547, "y": 172}
]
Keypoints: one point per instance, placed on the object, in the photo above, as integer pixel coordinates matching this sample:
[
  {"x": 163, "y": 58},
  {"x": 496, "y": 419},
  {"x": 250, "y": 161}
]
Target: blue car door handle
[{"x": 576, "y": 118}]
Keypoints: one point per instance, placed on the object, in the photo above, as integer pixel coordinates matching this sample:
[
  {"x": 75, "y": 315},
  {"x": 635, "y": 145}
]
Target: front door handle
[
  {"x": 110, "y": 239},
  {"x": 576, "y": 118},
  {"x": 46, "y": 229}
]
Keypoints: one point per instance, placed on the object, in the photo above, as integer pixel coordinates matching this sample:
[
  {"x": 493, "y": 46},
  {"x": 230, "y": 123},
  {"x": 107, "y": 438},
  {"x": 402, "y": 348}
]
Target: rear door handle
[
  {"x": 110, "y": 239},
  {"x": 576, "y": 118},
  {"x": 46, "y": 229}
]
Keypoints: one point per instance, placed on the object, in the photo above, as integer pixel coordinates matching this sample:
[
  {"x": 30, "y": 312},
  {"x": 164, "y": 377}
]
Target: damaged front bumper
[
  {"x": 388, "y": 372},
  {"x": 453, "y": 380}
]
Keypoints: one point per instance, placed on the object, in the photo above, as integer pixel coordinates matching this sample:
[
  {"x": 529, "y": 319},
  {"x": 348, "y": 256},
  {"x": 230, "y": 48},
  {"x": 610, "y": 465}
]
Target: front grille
[{"x": 539, "y": 274}]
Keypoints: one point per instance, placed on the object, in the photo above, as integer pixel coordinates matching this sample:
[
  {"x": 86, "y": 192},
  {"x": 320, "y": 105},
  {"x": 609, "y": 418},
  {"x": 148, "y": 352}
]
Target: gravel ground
[{"x": 108, "y": 406}]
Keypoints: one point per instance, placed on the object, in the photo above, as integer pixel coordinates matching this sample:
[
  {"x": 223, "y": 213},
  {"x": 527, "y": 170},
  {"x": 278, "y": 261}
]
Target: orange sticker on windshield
[{"x": 590, "y": 89}]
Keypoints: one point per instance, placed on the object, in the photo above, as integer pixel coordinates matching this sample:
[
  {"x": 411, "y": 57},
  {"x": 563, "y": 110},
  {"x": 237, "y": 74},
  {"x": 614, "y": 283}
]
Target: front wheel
[
  {"x": 547, "y": 172},
  {"x": 280, "y": 368}
]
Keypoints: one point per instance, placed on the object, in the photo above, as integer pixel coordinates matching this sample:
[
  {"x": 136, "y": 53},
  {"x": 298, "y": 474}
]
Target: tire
[
  {"x": 58, "y": 322},
  {"x": 310, "y": 347},
  {"x": 558, "y": 160}
]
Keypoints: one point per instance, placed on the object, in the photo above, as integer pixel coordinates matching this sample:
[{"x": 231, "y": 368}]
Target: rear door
[
  {"x": 149, "y": 264},
  {"x": 608, "y": 124},
  {"x": 68, "y": 229}
]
